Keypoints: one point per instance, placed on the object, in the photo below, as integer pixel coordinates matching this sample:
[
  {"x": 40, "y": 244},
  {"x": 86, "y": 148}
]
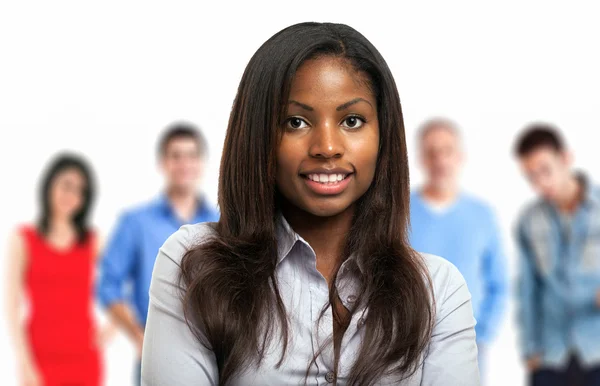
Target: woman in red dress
[{"x": 52, "y": 264}]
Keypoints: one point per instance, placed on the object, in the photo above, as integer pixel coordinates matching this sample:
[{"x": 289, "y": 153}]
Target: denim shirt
[
  {"x": 172, "y": 356},
  {"x": 559, "y": 278}
]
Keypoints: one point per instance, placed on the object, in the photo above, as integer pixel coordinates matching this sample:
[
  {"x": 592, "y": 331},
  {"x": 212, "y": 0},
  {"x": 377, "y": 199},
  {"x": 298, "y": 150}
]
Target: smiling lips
[
  {"x": 327, "y": 183},
  {"x": 326, "y": 178}
]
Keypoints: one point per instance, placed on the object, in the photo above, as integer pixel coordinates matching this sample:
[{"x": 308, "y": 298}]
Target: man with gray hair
[{"x": 459, "y": 227}]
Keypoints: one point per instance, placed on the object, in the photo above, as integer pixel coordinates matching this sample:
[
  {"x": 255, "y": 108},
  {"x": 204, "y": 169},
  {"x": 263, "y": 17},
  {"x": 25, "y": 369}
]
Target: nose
[{"x": 327, "y": 141}]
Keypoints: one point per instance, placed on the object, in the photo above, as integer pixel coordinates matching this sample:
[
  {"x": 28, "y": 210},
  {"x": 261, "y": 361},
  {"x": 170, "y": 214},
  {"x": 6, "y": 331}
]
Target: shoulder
[
  {"x": 595, "y": 191},
  {"x": 135, "y": 216},
  {"x": 445, "y": 277},
  {"x": 167, "y": 267},
  {"x": 20, "y": 239},
  {"x": 186, "y": 238},
  {"x": 140, "y": 209},
  {"x": 477, "y": 204},
  {"x": 415, "y": 196},
  {"x": 23, "y": 235},
  {"x": 532, "y": 214}
]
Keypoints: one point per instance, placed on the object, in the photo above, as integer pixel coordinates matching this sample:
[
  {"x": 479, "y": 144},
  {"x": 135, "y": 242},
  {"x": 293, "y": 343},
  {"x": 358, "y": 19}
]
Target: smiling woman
[{"x": 307, "y": 278}]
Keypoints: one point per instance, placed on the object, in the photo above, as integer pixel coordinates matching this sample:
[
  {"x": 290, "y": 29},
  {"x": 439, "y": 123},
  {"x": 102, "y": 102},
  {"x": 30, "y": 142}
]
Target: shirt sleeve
[
  {"x": 527, "y": 297},
  {"x": 452, "y": 355},
  {"x": 172, "y": 354},
  {"x": 495, "y": 289},
  {"x": 117, "y": 262}
]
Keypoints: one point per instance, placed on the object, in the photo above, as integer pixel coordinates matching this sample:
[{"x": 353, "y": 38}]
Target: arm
[
  {"x": 15, "y": 279},
  {"x": 527, "y": 299},
  {"x": 108, "y": 329},
  {"x": 495, "y": 280},
  {"x": 172, "y": 354},
  {"x": 452, "y": 356},
  {"x": 115, "y": 270}
]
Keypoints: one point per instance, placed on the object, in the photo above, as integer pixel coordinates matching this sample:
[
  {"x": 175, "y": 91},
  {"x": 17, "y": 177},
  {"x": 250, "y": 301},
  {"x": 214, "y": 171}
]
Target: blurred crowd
[{"x": 60, "y": 266}]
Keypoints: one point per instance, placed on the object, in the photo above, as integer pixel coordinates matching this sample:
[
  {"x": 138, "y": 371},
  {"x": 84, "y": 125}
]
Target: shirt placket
[
  {"x": 322, "y": 344},
  {"x": 348, "y": 289}
]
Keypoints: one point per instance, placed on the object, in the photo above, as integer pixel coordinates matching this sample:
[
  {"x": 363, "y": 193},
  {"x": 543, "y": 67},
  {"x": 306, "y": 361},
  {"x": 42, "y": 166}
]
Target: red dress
[{"x": 61, "y": 328}]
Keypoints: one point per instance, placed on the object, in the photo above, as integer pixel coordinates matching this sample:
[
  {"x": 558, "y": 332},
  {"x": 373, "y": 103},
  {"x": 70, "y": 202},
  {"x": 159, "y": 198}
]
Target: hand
[
  {"x": 534, "y": 362},
  {"x": 29, "y": 375},
  {"x": 139, "y": 342},
  {"x": 105, "y": 334}
]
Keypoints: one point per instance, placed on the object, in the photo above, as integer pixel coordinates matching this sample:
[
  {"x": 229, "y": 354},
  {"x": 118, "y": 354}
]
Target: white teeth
[{"x": 326, "y": 178}]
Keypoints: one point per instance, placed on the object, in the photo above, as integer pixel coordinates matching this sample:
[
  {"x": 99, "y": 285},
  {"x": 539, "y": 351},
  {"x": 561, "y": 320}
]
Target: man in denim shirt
[{"x": 559, "y": 285}]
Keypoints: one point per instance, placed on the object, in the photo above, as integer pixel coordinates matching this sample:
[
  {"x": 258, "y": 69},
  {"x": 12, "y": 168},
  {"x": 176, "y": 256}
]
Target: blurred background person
[
  {"x": 448, "y": 222},
  {"x": 558, "y": 237},
  {"x": 129, "y": 257},
  {"x": 51, "y": 265}
]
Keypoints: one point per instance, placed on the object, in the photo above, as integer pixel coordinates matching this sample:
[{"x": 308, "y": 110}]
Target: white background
[{"x": 104, "y": 79}]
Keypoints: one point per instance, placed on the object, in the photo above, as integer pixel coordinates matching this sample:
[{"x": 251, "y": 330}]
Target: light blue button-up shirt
[
  {"x": 173, "y": 356},
  {"x": 128, "y": 260},
  {"x": 559, "y": 279}
]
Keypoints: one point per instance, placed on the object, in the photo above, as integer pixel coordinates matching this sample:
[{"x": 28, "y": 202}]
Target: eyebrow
[
  {"x": 339, "y": 108},
  {"x": 352, "y": 102},
  {"x": 305, "y": 107}
]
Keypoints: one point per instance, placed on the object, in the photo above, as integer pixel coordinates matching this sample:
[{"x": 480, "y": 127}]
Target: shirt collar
[
  {"x": 590, "y": 196},
  {"x": 164, "y": 204},
  {"x": 287, "y": 238}
]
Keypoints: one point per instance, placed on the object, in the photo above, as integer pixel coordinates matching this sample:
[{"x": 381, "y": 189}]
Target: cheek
[
  {"x": 366, "y": 152},
  {"x": 65, "y": 198},
  {"x": 288, "y": 159}
]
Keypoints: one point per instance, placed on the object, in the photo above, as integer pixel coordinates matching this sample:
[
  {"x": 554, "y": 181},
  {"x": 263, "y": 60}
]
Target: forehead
[
  {"x": 70, "y": 175},
  {"x": 326, "y": 77},
  {"x": 181, "y": 143},
  {"x": 439, "y": 135},
  {"x": 541, "y": 155}
]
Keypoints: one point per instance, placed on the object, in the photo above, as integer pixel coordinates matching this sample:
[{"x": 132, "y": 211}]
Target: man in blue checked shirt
[
  {"x": 450, "y": 223},
  {"x": 559, "y": 285},
  {"x": 128, "y": 261}
]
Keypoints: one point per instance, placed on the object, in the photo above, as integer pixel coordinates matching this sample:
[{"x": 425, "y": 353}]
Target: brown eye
[
  {"x": 353, "y": 122},
  {"x": 295, "y": 123}
]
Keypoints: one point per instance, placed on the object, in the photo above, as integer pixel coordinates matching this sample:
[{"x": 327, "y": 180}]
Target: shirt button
[
  {"x": 330, "y": 377},
  {"x": 351, "y": 298},
  {"x": 361, "y": 322}
]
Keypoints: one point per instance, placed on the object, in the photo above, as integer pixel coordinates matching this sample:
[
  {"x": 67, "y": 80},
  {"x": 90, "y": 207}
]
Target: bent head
[{"x": 544, "y": 160}]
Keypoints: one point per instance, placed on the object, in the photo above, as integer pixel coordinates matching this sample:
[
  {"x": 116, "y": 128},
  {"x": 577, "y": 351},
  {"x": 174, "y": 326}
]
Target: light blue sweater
[{"x": 466, "y": 234}]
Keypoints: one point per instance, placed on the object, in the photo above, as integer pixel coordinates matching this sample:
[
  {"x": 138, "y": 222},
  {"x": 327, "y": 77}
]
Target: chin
[
  {"x": 185, "y": 185},
  {"x": 326, "y": 210}
]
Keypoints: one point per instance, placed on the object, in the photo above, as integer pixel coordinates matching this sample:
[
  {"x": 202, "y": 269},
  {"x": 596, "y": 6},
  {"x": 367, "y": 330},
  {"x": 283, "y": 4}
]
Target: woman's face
[
  {"x": 67, "y": 193},
  {"x": 328, "y": 152}
]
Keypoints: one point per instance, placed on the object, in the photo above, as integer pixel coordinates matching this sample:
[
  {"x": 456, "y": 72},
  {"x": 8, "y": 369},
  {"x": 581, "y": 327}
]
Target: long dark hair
[
  {"x": 59, "y": 164},
  {"x": 229, "y": 281}
]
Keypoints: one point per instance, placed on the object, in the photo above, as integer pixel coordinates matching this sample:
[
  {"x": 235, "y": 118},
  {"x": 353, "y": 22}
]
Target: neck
[
  {"x": 326, "y": 235},
  {"x": 60, "y": 224},
  {"x": 184, "y": 202},
  {"x": 572, "y": 196},
  {"x": 439, "y": 194}
]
